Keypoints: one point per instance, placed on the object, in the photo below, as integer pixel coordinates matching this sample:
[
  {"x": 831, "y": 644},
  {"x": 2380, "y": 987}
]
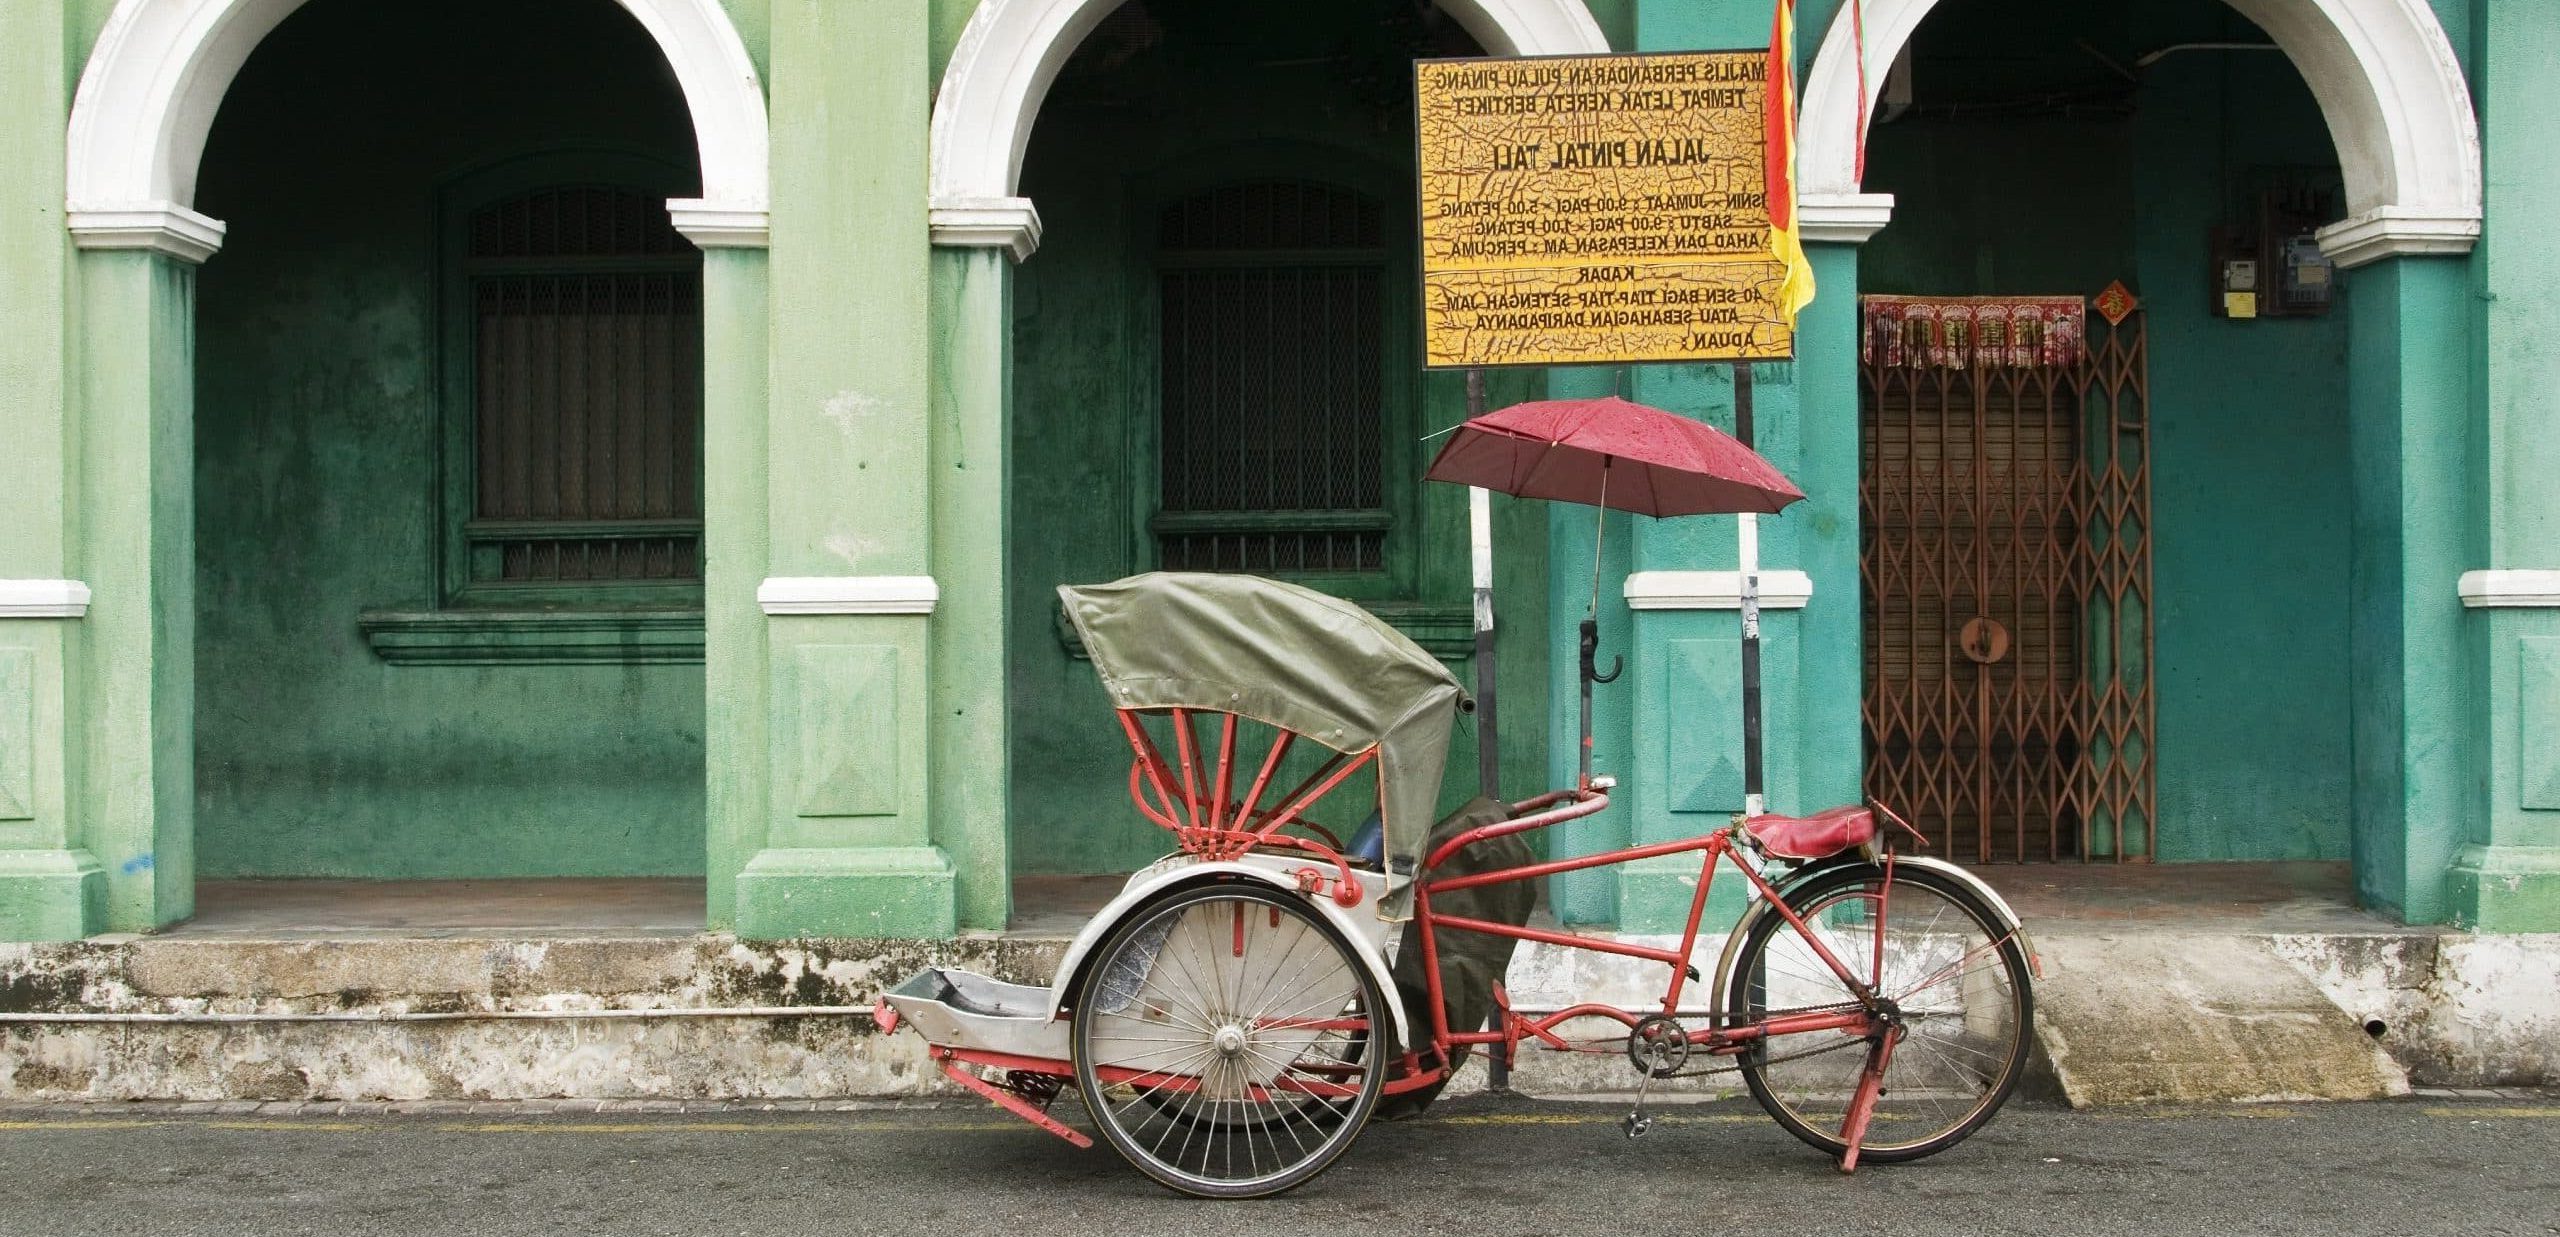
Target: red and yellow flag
[{"x": 1780, "y": 113}]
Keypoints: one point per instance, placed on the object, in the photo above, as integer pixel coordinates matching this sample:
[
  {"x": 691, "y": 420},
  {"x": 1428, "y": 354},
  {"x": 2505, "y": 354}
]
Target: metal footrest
[{"x": 960, "y": 1009}]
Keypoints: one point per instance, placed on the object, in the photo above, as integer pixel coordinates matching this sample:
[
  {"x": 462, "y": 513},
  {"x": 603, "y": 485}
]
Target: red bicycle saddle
[{"x": 1818, "y": 836}]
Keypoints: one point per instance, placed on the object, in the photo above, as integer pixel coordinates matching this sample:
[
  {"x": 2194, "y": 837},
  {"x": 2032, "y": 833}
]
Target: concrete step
[
  {"x": 2149, "y": 1016},
  {"x": 2127, "y": 1013}
]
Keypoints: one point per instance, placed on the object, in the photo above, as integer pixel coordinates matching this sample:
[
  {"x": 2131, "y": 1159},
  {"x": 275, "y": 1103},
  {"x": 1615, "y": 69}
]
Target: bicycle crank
[{"x": 1657, "y": 1047}]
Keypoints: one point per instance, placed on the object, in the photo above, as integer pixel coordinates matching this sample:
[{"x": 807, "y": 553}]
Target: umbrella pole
[
  {"x": 1480, "y": 555},
  {"x": 1591, "y": 625},
  {"x": 1754, "y": 800},
  {"x": 1488, "y": 734}
]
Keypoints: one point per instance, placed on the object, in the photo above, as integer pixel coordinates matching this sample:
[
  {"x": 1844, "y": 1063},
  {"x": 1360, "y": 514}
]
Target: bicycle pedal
[{"x": 1637, "y": 1125}]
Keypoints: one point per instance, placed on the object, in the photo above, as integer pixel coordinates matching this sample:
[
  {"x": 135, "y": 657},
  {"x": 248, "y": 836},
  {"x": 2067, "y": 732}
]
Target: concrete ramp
[{"x": 2150, "y": 1016}]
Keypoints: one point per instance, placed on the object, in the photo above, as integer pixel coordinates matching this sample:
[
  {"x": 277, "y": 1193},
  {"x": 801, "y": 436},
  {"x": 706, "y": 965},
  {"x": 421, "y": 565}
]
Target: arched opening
[
  {"x": 448, "y": 416},
  {"x": 1214, "y": 369},
  {"x": 2389, "y": 88},
  {"x": 2162, "y": 539},
  {"x": 1012, "y": 50}
]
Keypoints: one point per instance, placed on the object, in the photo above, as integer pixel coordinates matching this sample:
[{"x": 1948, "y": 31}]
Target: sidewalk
[{"x": 448, "y": 995}]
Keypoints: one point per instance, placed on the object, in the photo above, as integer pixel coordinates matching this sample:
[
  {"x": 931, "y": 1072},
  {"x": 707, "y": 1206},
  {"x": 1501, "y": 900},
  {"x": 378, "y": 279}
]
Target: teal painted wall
[
  {"x": 2249, "y": 427},
  {"x": 316, "y": 414},
  {"x": 1120, "y": 129}
]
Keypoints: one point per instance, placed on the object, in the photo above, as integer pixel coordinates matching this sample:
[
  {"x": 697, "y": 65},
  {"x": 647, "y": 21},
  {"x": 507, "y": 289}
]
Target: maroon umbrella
[
  {"x": 1608, "y": 452},
  {"x": 1611, "y": 453}
]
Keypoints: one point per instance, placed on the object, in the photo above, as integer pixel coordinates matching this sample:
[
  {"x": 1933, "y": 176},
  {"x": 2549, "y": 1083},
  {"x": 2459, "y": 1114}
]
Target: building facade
[{"x": 642, "y": 437}]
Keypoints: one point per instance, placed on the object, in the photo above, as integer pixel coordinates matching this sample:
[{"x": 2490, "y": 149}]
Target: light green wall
[
  {"x": 2506, "y": 877},
  {"x": 2249, "y": 419},
  {"x": 317, "y": 414},
  {"x": 52, "y": 886}
]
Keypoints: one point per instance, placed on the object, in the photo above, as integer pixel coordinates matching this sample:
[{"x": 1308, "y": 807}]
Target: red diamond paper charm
[{"x": 2116, "y": 304}]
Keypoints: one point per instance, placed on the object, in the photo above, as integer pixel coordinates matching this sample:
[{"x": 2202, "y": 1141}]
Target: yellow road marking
[
  {"x": 570, "y": 1123},
  {"x": 2251, "y": 1112}
]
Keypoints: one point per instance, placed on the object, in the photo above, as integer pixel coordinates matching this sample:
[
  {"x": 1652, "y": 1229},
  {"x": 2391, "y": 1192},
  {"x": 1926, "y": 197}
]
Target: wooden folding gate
[{"x": 2006, "y": 553}]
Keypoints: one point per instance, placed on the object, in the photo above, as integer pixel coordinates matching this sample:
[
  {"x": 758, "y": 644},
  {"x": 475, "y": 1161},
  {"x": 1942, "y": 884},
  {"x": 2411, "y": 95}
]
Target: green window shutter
[
  {"x": 585, "y": 402},
  {"x": 1272, "y": 383}
]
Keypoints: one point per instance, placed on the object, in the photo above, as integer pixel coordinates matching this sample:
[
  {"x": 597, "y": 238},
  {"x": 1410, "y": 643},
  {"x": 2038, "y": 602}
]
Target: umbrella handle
[{"x": 1591, "y": 656}]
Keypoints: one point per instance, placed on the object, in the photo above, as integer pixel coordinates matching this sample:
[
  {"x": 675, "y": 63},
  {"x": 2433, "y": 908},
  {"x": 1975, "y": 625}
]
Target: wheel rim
[
  {"x": 1223, "y": 1044},
  {"x": 1950, "y": 978}
]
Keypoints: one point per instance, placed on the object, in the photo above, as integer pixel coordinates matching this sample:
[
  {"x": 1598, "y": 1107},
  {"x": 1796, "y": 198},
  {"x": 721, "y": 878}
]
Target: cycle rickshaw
[{"x": 1238, "y": 1013}]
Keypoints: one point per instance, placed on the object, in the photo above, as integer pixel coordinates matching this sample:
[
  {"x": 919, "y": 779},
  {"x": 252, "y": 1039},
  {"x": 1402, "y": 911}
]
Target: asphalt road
[{"x": 1479, "y": 1166}]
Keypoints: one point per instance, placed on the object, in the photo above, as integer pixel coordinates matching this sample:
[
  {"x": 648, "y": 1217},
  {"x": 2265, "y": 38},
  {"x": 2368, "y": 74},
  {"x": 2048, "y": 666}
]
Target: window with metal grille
[
  {"x": 584, "y": 335},
  {"x": 1272, "y": 383}
]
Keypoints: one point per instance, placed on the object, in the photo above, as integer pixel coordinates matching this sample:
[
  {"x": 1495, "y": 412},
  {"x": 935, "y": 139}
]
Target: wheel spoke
[
  {"x": 1964, "y": 1029},
  {"x": 1262, "y": 1062}
]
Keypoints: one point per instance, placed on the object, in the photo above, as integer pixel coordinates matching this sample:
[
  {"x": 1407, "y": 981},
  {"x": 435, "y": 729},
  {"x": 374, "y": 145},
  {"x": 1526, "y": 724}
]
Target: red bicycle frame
[
  {"x": 1712, "y": 846},
  {"x": 1197, "y": 806}
]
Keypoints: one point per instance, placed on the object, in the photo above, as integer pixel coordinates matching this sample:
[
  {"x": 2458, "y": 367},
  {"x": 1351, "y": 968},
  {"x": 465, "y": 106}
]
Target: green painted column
[
  {"x": 972, "y": 422},
  {"x": 1830, "y": 739},
  {"x": 2506, "y": 875},
  {"x": 130, "y": 673},
  {"x": 51, "y": 885},
  {"x": 848, "y": 847},
  {"x": 736, "y": 551},
  {"x": 2415, "y": 758},
  {"x": 1684, "y": 676}
]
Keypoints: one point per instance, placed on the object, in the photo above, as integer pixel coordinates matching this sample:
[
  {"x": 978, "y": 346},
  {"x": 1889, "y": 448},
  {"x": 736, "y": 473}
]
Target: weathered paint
[
  {"x": 318, "y": 419},
  {"x": 2455, "y": 1009},
  {"x": 2218, "y": 1018}
]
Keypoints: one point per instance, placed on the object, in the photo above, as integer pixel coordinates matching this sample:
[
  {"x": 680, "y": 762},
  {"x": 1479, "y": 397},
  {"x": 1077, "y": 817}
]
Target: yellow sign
[{"x": 1597, "y": 210}]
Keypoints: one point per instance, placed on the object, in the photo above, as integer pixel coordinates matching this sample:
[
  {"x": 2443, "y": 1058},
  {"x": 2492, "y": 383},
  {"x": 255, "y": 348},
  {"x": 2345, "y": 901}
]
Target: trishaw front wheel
[
  {"x": 1955, "y": 980},
  {"x": 1224, "y": 1041}
]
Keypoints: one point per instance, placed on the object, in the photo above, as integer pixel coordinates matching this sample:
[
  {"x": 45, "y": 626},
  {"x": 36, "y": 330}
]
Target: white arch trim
[
  {"x": 1012, "y": 49},
  {"x": 2382, "y": 70},
  {"x": 160, "y": 67}
]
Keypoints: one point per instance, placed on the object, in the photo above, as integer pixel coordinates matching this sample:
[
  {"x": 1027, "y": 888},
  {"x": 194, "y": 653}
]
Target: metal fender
[
  {"x": 1760, "y": 907},
  {"x": 2026, "y": 944},
  {"x": 1359, "y": 924}
]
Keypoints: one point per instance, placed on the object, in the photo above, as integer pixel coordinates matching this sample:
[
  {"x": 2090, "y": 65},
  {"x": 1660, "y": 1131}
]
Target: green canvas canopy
[{"x": 1288, "y": 656}]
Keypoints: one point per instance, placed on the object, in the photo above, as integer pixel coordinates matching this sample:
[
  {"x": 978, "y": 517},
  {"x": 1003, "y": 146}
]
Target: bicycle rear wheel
[
  {"x": 1224, "y": 1042},
  {"x": 1951, "y": 967}
]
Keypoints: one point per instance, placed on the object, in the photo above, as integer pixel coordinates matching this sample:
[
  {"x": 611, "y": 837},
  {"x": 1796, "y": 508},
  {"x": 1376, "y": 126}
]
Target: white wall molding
[
  {"x": 1012, "y": 224},
  {"x": 157, "y": 74},
  {"x": 161, "y": 227},
  {"x": 721, "y": 225},
  {"x": 849, "y": 595},
  {"x": 43, "y": 599},
  {"x": 2383, "y": 72},
  {"x": 1842, "y": 218},
  {"x": 2511, "y": 588},
  {"x": 1011, "y": 50},
  {"x": 2391, "y": 233},
  {"x": 1715, "y": 590}
]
